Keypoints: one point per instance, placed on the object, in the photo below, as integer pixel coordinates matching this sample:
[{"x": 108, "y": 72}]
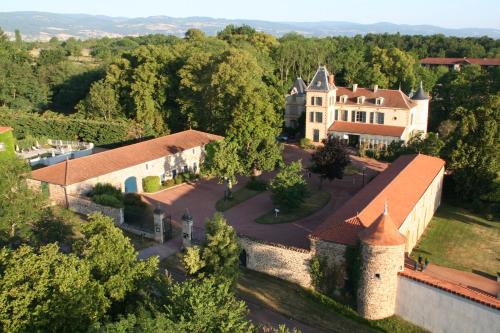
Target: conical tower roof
[
  {"x": 382, "y": 232},
  {"x": 420, "y": 94}
]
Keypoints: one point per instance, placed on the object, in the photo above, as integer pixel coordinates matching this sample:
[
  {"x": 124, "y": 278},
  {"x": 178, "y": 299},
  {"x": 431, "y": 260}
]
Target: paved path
[{"x": 162, "y": 250}]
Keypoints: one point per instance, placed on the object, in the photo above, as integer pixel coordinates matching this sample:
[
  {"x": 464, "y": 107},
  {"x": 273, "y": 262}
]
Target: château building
[{"x": 359, "y": 115}]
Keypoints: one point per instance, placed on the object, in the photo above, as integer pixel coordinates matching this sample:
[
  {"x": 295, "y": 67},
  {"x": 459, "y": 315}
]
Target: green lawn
[
  {"x": 240, "y": 195},
  {"x": 459, "y": 239},
  {"x": 316, "y": 201}
]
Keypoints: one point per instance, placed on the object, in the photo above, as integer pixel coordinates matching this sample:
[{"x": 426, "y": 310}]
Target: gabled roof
[
  {"x": 4, "y": 129},
  {"x": 453, "y": 61},
  {"x": 402, "y": 185},
  {"x": 83, "y": 168},
  {"x": 299, "y": 87},
  {"x": 320, "y": 81},
  {"x": 363, "y": 128},
  {"x": 392, "y": 98}
]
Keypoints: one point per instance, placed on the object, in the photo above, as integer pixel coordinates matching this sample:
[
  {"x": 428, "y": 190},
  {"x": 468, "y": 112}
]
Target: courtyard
[{"x": 201, "y": 198}]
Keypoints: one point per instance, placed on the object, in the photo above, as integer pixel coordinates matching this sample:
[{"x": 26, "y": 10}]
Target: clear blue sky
[{"x": 445, "y": 13}]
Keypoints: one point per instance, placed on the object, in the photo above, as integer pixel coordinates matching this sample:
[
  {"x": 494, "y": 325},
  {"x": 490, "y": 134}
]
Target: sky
[{"x": 444, "y": 13}]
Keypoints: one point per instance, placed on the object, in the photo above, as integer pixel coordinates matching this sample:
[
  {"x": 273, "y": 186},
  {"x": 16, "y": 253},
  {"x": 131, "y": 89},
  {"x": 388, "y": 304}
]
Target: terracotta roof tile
[
  {"x": 83, "y": 168},
  {"x": 382, "y": 232},
  {"x": 362, "y": 128},
  {"x": 402, "y": 184},
  {"x": 453, "y": 288},
  {"x": 392, "y": 98},
  {"x": 452, "y": 61},
  {"x": 4, "y": 129}
]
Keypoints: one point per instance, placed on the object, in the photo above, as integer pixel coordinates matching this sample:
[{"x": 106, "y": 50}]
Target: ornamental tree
[
  {"x": 330, "y": 160},
  {"x": 288, "y": 188}
]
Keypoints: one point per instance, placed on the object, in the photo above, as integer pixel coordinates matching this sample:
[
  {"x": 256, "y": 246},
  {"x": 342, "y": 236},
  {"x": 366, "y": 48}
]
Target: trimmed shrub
[
  {"x": 179, "y": 179},
  {"x": 107, "y": 200},
  {"x": 306, "y": 143},
  {"x": 169, "y": 182},
  {"x": 151, "y": 184},
  {"x": 133, "y": 199},
  {"x": 105, "y": 188},
  {"x": 256, "y": 184}
]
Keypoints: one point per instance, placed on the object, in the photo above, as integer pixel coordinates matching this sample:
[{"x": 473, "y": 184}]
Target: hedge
[
  {"x": 61, "y": 127},
  {"x": 151, "y": 184},
  {"x": 8, "y": 145}
]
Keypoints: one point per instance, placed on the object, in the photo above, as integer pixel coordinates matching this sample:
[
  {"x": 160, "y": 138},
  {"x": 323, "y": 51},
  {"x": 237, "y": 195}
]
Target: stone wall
[
  {"x": 440, "y": 311},
  {"x": 290, "y": 264},
  {"x": 378, "y": 284},
  {"x": 135, "y": 231},
  {"x": 85, "y": 206}
]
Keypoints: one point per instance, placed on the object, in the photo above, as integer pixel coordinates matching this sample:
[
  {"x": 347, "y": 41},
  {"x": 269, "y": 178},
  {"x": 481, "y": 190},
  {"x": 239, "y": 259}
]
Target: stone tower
[
  {"x": 422, "y": 114},
  {"x": 382, "y": 256}
]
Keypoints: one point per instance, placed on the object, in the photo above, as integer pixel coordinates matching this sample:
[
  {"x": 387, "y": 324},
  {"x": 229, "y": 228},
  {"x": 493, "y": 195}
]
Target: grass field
[
  {"x": 316, "y": 201},
  {"x": 459, "y": 239},
  {"x": 240, "y": 195}
]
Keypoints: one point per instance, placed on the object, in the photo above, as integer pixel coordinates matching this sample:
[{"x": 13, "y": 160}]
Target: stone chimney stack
[
  {"x": 331, "y": 79},
  {"x": 354, "y": 87},
  {"x": 375, "y": 88}
]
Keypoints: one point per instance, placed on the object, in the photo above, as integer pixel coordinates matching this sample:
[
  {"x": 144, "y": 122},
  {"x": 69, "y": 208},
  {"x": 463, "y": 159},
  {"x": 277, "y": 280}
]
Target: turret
[
  {"x": 422, "y": 112},
  {"x": 382, "y": 256}
]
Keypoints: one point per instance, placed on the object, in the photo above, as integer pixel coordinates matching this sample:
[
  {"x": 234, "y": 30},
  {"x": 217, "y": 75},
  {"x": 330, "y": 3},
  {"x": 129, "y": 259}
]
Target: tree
[
  {"x": 46, "y": 290},
  {"x": 20, "y": 207},
  {"x": 219, "y": 255},
  {"x": 112, "y": 258},
  {"x": 223, "y": 162},
  {"x": 73, "y": 47},
  {"x": 330, "y": 160},
  {"x": 288, "y": 188},
  {"x": 101, "y": 102}
]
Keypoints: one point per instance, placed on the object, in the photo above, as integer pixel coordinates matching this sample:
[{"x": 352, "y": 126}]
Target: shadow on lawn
[{"x": 460, "y": 216}]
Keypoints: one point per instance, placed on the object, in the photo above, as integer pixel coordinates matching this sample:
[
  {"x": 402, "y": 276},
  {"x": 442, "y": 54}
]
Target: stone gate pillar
[
  {"x": 187, "y": 229},
  {"x": 158, "y": 216}
]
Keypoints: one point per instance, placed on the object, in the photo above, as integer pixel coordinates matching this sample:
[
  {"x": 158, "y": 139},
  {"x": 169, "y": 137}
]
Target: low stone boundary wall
[
  {"x": 85, "y": 206},
  {"x": 136, "y": 231},
  {"x": 287, "y": 263},
  {"x": 441, "y": 311}
]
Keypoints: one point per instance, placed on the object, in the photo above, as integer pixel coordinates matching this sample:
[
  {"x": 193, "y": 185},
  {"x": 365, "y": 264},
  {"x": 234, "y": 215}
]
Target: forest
[{"x": 235, "y": 82}]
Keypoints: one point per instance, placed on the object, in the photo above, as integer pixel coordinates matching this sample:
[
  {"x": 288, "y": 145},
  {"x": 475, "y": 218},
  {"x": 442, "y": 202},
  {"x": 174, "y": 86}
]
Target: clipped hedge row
[
  {"x": 151, "y": 184},
  {"x": 8, "y": 146},
  {"x": 66, "y": 127}
]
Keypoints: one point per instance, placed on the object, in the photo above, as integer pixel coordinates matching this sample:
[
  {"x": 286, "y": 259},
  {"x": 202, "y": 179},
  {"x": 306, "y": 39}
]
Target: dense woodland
[{"x": 234, "y": 84}]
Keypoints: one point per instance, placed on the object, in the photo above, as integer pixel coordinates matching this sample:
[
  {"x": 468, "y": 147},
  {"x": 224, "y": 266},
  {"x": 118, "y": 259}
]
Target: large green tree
[
  {"x": 288, "y": 188},
  {"x": 330, "y": 160}
]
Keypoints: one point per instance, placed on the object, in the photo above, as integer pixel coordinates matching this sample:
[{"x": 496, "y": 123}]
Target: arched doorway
[
  {"x": 243, "y": 258},
  {"x": 131, "y": 185}
]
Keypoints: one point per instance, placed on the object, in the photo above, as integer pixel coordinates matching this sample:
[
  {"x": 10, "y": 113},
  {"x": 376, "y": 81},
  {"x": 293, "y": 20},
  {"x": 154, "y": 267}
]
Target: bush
[
  {"x": 179, "y": 179},
  {"x": 133, "y": 199},
  {"x": 105, "y": 188},
  {"x": 169, "y": 183},
  {"x": 151, "y": 184},
  {"x": 288, "y": 188},
  {"x": 306, "y": 143},
  {"x": 256, "y": 184},
  {"x": 107, "y": 200}
]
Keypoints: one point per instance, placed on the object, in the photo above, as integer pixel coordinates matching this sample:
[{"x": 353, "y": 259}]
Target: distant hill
[{"x": 43, "y": 26}]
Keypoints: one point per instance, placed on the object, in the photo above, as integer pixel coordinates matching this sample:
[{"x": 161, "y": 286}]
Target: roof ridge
[{"x": 398, "y": 175}]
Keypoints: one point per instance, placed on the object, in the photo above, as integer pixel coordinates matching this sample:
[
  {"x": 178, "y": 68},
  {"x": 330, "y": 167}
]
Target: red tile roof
[
  {"x": 83, "y": 168},
  {"x": 453, "y": 61},
  {"x": 4, "y": 129},
  {"x": 402, "y": 184},
  {"x": 362, "y": 128},
  {"x": 382, "y": 232},
  {"x": 392, "y": 98},
  {"x": 451, "y": 287}
]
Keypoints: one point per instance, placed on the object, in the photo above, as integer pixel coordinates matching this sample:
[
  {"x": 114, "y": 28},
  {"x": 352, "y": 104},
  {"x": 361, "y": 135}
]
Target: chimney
[
  {"x": 375, "y": 88},
  {"x": 331, "y": 80},
  {"x": 354, "y": 87}
]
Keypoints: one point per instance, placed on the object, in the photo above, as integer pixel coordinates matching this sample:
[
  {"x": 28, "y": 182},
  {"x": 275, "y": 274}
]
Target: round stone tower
[
  {"x": 421, "y": 99},
  {"x": 382, "y": 257}
]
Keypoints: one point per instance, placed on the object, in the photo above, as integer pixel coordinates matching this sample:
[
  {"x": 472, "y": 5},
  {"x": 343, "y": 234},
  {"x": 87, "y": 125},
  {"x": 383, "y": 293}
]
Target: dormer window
[
  {"x": 318, "y": 84},
  {"x": 360, "y": 100},
  {"x": 343, "y": 99},
  {"x": 379, "y": 100}
]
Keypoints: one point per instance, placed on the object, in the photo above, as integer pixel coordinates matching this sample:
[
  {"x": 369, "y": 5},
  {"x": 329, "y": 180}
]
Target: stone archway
[{"x": 131, "y": 185}]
